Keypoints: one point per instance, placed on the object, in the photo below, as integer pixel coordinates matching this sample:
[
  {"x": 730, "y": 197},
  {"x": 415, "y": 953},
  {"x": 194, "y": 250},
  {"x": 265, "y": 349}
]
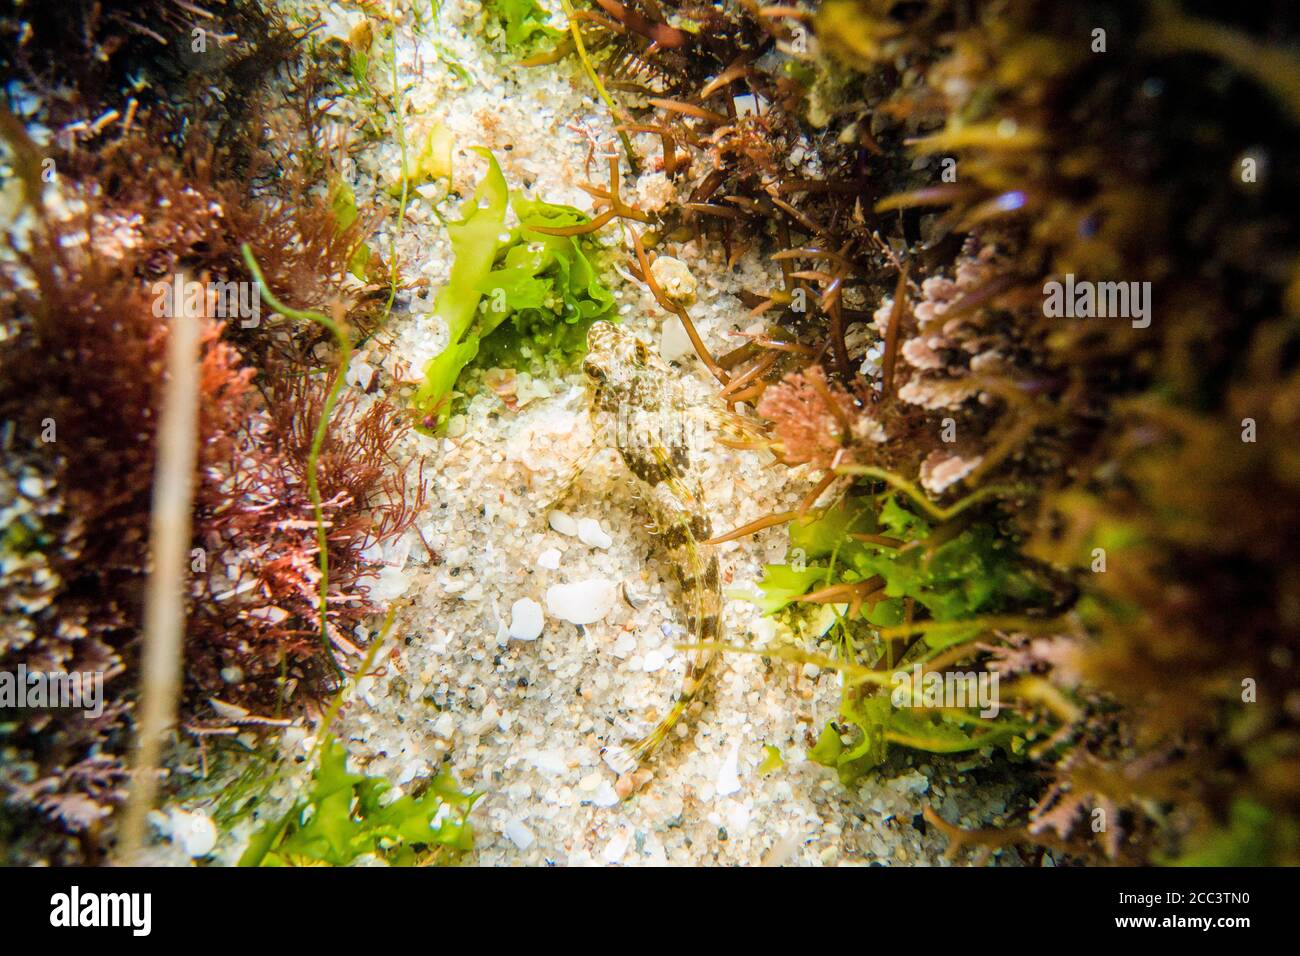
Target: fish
[{"x": 639, "y": 406}]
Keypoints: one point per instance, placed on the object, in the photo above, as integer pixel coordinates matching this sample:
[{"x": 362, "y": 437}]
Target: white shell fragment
[
  {"x": 624, "y": 646},
  {"x": 590, "y": 532},
  {"x": 519, "y": 835},
  {"x": 618, "y": 760},
  {"x": 562, "y": 523},
  {"x": 526, "y": 620},
  {"x": 582, "y": 602},
  {"x": 674, "y": 343},
  {"x": 729, "y": 774}
]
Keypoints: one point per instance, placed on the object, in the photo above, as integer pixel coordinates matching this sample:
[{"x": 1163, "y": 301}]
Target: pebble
[
  {"x": 549, "y": 761},
  {"x": 624, "y": 646},
  {"x": 654, "y": 660},
  {"x": 563, "y": 523},
  {"x": 617, "y": 847},
  {"x": 623, "y": 786},
  {"x": 674, "y": 279},
  {"x": 738, "y": 817},
  {"x": 674, "y": 343},
  {"x": 549, "y": 559},
  {"x": 582, "y": 602},
  {"x": 591, "y": 533},
  {"x": 388, "y": 585},
  {"x": 526, "y": 619},
  {"x": 519, "y": 835},
  {"x": 360, "y": 373},
  {"x": 729, "y": 774},
  {"x": 619, "y": 761},
  {"x": 194, "y": 832},
  {"x": 444, "y": 725}
]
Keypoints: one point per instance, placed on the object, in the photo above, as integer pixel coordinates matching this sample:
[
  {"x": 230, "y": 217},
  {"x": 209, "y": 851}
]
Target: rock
[
  {"x": 194, "y": 833},
  {"x": 549, "y": 761},
  {"x": 674, "y": 280},
  {"x": 388, "y": 585},
  {"x": 519, "y": 835},
  {"x": 618, "y": 760},
  {"x": 562, "y": 523},
  {"x": 526, "y": 620},
  {"x": 738, "y": 817},
  {"x": 729, "y": 774},
  {"x": 674, "y": 343},
  {"x": 617, "y": 847},
  {"x": 360, "y": 374},
  {"x": 582, "y": 602},
  {"x": 624, "y": 786},
  {"x": 591, "y": 533}
]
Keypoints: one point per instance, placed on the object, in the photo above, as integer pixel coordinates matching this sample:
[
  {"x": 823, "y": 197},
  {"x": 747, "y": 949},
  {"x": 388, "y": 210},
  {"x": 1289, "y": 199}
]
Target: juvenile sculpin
[{"x": 638, "y": 404}]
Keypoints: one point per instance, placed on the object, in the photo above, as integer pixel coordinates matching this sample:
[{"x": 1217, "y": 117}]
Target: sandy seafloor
[{"x": 524, "y": 721}]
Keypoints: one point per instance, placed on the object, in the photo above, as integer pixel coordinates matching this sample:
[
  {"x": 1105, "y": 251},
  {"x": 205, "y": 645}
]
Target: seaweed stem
[
  {"x": 401, "y": 209},
  {"x": 581, "y": 49},
  {"x": 318, "y": 438},
  {"x": 933, "y": 510},
  {"x": 689, "y": 109},
  {"x": 753, "y": 527},
  {"x": 891, "y": 337},
  {"x": 677, "y": 310}
]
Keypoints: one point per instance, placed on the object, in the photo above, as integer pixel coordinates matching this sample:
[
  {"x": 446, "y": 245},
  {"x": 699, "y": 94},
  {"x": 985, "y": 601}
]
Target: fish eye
[
  {"x": 642, "y": 353},
  {"x": 594, "y": 372}
]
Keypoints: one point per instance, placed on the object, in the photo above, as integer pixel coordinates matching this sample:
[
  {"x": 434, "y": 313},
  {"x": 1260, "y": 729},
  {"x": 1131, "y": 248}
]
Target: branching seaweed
[{"x": 344, "y": 345}]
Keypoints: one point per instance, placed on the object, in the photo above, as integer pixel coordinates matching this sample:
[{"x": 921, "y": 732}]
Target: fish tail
[{"x": 696, "y": 673}]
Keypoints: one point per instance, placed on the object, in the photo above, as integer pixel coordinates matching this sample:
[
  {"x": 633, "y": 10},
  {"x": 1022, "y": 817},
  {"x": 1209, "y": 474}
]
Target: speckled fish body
[{"x": 637, "y": 402}]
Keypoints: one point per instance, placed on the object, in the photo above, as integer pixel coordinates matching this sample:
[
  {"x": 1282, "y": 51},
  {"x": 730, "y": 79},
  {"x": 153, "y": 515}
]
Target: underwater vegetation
[
  {"x": 1098, "y": 509},
  {"x": 538, "y": 274},
  {"x": 95, "y": 248},
  {"x": 344, "y": 817}
]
